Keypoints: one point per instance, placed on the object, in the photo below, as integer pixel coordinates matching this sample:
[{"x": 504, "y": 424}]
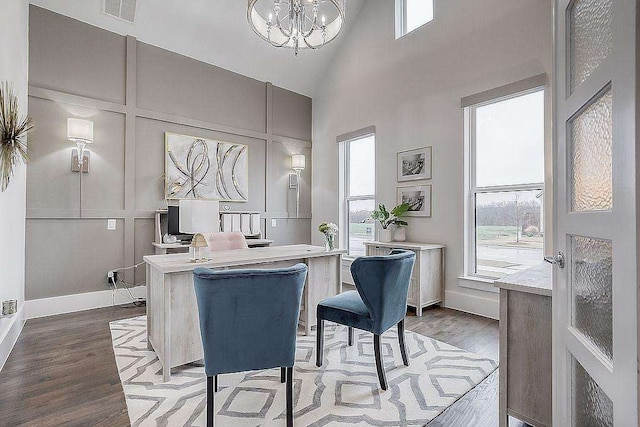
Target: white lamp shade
[
  {"x": 79, "y": 130},
  {"x": 298, "y": 162},
  {"x": 199, "y": 216}
]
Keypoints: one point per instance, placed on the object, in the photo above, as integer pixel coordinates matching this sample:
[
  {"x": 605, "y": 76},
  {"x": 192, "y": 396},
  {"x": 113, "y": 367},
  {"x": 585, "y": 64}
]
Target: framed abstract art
[{"x": 200, "y": 168}]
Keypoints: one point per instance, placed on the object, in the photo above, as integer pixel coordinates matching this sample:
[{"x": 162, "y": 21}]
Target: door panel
[
  {"x": 591, "y": 136},
  {"x": 591, "y": 37},
  {"x": 590, "y": 404},
  {"x": 591, "y": 278}
]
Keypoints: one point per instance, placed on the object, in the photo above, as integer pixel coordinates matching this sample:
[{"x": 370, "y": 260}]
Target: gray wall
[
  {"x": 134, "y": 93},
  {"x": 411, "y": 89}
]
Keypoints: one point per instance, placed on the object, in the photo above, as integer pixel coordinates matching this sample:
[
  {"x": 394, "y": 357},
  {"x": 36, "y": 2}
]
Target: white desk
[
  {"x": 525, "y": 346},
  {"x": 173, "y": 329}
]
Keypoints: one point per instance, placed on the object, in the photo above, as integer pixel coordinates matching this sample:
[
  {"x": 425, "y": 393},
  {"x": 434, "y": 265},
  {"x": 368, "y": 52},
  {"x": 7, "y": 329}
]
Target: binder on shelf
[
  {"x": 227, "y": 224},
  {"x": 245, "y": 224},
  {"x": 255, "y": 224},
  {"x": 235, "y": 222}
]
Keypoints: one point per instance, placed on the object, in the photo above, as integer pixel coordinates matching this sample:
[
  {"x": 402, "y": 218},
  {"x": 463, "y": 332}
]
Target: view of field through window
[
  {"x": 508, "y": 185},
  {"x": 508, "y": 232}
]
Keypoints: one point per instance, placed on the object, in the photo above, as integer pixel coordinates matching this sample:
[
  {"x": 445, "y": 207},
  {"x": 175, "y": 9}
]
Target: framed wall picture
[
  {"x": 419, "y": 200},
  {"x": 200, "y": 168},
  {"x": 414, "y": 164}
]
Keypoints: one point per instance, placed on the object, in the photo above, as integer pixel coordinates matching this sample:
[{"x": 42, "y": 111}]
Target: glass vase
[{"x": 329, "y": 242}]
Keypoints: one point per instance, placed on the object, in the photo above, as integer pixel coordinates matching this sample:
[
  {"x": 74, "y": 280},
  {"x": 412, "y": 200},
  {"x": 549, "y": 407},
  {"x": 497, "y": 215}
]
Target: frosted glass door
[{"x": 595, "y": 297}]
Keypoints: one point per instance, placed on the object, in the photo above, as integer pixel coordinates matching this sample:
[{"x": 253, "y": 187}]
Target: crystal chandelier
[{"x": 297, "y": 24}]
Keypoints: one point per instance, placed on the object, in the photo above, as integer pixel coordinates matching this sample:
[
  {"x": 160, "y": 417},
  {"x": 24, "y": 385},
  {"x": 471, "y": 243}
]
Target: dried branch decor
[{"x": 13, "y": 134}]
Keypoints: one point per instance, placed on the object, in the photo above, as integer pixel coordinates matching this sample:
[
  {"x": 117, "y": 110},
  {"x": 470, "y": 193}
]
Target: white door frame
[{"x": 618, "y": 379}]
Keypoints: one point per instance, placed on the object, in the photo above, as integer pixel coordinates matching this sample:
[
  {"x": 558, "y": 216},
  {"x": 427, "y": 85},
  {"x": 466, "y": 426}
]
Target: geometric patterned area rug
[{"x": 345, "y": 391}]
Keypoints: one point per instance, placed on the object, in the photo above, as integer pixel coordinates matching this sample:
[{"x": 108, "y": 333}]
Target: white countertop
[
  {"x": 180, "y": 262},
  {"x": 535, "y": 280},
  {"x": 405, "y": 245}
]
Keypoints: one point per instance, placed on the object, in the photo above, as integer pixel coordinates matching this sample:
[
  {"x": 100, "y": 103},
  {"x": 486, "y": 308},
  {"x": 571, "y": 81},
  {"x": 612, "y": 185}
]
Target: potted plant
[{"x": 386, "y": 218}]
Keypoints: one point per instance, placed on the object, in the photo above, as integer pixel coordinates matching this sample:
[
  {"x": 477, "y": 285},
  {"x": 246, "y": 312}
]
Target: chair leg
[
  {"x": 350, "y": 341},
  {"x": 210, "y": 408},
  {"x": 289, "y": 397},
  {"x": 379, "y": 366},
  {"x": 403, "y": 348},
  {"x": 283, "y": 375},
  {"x": 319, "y": 342}
]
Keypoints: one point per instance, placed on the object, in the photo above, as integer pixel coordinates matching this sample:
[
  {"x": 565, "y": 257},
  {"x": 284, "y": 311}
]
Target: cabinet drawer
[{"x": 377, "y": 251}]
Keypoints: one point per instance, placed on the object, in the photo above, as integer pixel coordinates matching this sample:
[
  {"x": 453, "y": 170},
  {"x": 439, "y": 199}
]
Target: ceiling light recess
[{"x": 296, "y": 24}]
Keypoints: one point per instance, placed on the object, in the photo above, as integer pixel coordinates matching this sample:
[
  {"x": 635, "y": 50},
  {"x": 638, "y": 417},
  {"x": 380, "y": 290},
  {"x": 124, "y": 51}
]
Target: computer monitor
[{"x": 173, "y": 223}]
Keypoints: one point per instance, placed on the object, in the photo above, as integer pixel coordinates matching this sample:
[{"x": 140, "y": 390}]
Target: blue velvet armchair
[
  {"x": 380, "y": 302},
  {"x": 248, "y": 321}
]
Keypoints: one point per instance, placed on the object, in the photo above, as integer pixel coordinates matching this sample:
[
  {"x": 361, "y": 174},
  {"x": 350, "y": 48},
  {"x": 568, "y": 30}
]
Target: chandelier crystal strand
[{"x": 296, "y": 24}]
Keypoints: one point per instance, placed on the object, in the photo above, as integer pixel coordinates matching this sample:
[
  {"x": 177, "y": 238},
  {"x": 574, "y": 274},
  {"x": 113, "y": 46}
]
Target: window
[
  {"x": 358, "y": 179},
  {"x": 412, "y": 14},
  {"x": 504, "y": 207}
]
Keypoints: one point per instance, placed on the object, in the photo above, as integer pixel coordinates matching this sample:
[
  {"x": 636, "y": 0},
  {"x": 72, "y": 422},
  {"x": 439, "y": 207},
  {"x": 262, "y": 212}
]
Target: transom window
[
  {"x": 504, "y": 208},
  {"x": 412, "y": 14},
  {"x": 359, "y": 157}
]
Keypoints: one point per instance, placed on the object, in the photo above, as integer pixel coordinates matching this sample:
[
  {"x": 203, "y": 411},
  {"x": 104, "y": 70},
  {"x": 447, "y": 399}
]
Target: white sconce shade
[
  {"x": 298, "y": 162},
  {"x": 79, "y": 130},
  {"x": 199, "y": 216}
]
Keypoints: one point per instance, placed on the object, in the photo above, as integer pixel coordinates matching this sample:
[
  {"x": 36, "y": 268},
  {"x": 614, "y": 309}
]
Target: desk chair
[
  {"x": 380, "y": 302},
  {"x": 225, "y": 241},
  {"x": 248, "y": 321}
]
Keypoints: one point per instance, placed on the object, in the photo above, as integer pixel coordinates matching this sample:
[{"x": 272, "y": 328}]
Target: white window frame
[
  {"x": 472, "y": 190},
  {"x": 401, "y": 18},
  {"x": 345, "y": 197}
]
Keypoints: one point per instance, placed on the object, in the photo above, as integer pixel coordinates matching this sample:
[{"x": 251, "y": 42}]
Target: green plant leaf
[
  {"x": 382, "y": 215},
  {"x": 400, "y": 210}
]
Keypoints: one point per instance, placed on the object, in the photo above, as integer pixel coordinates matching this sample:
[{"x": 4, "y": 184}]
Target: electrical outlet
[
  {"x": 274, "y": 223},
  {"x": 111, "y": 224},
  {"x": 112, "y": 277}
]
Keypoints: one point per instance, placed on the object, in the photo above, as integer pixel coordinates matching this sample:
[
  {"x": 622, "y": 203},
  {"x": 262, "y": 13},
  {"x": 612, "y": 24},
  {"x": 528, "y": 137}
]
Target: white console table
[
  {"x": 173, "y": 329},
  {"x": 427, "y": 279}
]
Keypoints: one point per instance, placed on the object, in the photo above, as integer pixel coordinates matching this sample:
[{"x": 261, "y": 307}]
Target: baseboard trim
[
  {"x": 485, "y": 307},
  {"x": 10, "y": 337},
  {"x": 79, "y": 302}
]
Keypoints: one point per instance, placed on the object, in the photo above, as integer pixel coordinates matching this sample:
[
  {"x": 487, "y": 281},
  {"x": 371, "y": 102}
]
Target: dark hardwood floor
[{"x": 62, "y": 370}]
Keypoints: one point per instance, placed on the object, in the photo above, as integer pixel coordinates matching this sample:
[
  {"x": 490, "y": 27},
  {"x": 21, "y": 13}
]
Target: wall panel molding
[
  {"x": 134, "y": 220},
  {"x": 81, "y": 101},
  {"x": 43, "y": 307}
]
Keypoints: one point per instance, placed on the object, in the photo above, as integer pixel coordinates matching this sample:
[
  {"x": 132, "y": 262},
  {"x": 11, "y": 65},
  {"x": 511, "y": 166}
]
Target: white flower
[{"x": 328, "y": 228}]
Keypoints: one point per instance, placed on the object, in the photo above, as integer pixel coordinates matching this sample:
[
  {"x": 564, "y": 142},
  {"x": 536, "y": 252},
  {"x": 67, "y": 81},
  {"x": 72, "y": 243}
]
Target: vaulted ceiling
[{"x": 216, "y": 32}]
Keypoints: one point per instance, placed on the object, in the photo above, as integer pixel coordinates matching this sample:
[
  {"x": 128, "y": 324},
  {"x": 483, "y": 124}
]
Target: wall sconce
[
  {"x": 298, "y": 163},
  {"x": 80, "y": 132}
]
